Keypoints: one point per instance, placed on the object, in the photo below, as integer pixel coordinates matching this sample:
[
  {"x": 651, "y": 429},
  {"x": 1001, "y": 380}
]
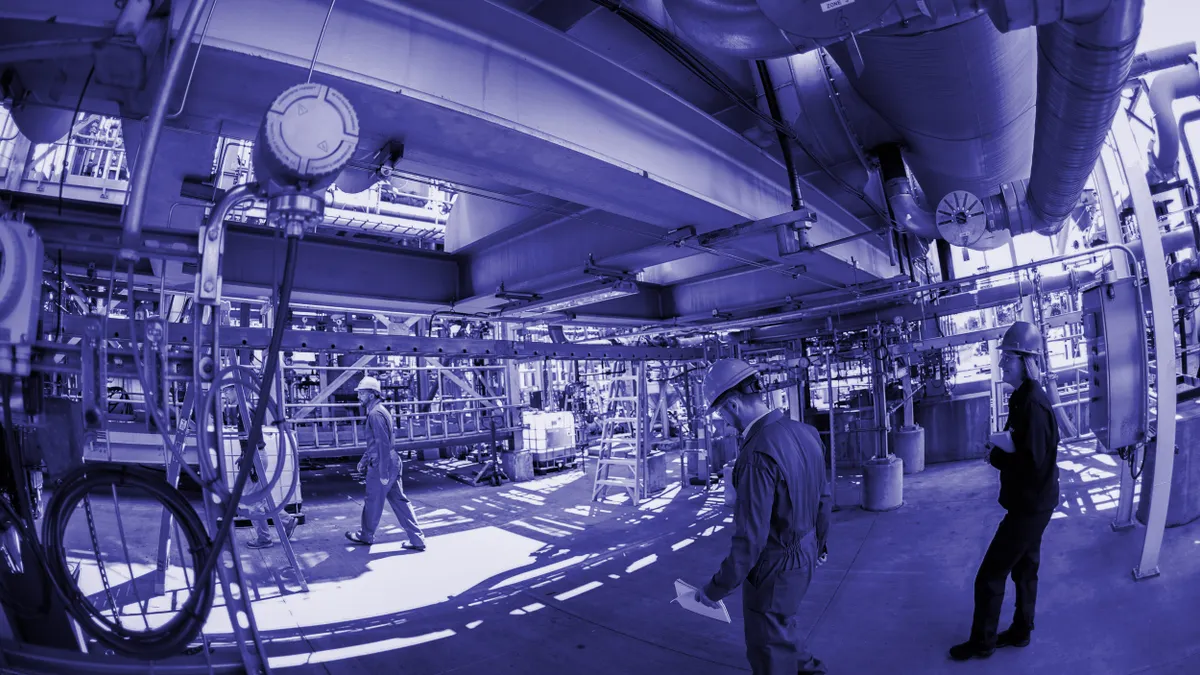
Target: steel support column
[{"x": 1164, "y": 345}]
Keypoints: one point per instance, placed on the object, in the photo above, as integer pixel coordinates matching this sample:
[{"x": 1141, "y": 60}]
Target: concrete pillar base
[
  {"x": 908, "y": 443},
  {"x": 883, "y": 484}
]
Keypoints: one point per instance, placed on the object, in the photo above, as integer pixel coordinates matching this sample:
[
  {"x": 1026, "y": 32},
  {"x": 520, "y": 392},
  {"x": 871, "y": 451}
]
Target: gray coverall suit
[
  {"x": 384, "y": 470},
  {"x": 781, "y": 521}
]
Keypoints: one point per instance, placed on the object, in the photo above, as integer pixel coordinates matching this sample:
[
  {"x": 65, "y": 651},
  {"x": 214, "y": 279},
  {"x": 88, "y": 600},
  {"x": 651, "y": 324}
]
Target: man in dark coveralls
[
  {"x": 781, "y": 520},
  {"x": 1028, "y": 491}
]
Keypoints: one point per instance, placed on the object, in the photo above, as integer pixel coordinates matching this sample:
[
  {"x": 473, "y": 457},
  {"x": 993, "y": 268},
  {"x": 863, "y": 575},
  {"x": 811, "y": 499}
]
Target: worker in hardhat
[
  {"x": 1026, "y": 454},
  {"x": 781, "y": 520},
  {"x": 383, "y": 470}
]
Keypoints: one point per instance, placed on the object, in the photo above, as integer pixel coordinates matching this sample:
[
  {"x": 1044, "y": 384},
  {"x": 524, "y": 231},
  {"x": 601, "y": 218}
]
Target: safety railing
[
  {"x": 326, "y": 435},
  {"x": 91, "y": 161}
]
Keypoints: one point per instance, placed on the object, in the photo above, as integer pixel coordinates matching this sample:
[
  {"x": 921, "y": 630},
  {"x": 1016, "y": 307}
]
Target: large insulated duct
[
  {"x": 963, "y": 99},
  {"x": 1168, "y": 87},
  {"x": 764, "y": 29},
  {"x": 1084, "y": 49},
  {"x": 1084, "y": 59}
]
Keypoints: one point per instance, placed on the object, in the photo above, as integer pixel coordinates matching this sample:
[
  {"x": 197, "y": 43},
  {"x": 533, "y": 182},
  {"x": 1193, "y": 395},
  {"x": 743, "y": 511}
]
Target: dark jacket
[
  {"x": 1029, "y": 476},
  {"x": 781, "y": 517}
]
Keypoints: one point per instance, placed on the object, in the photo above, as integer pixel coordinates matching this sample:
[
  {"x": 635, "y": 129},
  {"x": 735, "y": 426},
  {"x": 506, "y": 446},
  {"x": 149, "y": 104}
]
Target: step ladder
[{"x": 621, "y": 462}]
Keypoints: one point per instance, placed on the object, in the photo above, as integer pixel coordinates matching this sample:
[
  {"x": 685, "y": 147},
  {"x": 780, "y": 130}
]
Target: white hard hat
[
  {"x": 369, "y": 383},
  {"x": 723, "y": 376}
]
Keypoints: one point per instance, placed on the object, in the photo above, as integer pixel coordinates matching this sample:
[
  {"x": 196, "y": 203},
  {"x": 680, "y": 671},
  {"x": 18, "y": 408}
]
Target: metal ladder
[{"x": 623, "y": 452}]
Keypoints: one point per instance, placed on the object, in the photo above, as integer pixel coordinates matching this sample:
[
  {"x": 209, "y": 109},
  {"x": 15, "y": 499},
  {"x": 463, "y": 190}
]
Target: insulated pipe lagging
[
  {"x": 1162, "y": 59},
  {"x": 1082, "y": 67},
  {"x": 1168, "y": 87}
]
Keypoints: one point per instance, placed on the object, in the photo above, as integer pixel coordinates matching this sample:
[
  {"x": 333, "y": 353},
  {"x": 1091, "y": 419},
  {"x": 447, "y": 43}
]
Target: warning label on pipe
[{"x": 834, "y": 4}]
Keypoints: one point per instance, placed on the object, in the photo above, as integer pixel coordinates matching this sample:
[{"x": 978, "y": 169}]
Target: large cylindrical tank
[{"x": 1184, "y": 506}]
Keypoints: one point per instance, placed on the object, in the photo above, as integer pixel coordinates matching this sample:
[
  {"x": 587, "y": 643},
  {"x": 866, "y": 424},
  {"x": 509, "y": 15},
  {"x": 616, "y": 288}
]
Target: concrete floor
[{"x": 526, "y": 578}]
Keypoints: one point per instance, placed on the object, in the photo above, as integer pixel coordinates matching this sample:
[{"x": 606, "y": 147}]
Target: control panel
[{"x": 1114, "y": 324}]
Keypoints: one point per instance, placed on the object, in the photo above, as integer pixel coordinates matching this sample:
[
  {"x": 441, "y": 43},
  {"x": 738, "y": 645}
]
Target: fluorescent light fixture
[{"x": 550, "y": 305}]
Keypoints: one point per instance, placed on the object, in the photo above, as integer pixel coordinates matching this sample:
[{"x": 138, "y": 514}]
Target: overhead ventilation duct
[
  {"x": 41, "y": 123},
  {"x": 1084, "y": 60},
  {"x": 1084, "y": 49},
  {"x": 764, "y": 29}
]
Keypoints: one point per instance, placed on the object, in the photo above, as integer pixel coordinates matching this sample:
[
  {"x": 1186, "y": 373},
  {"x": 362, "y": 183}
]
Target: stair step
[
  {"x": 617, "y": 461},
  {"x": 617, "y": 482}
]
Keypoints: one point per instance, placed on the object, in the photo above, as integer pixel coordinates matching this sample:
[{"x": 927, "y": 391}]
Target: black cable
[
  {"x": 773, "y": 107},
  {"x": 271, "y": 358},
  {"x": 59, "y": 300},
  {"x": 62, "y": 177},
  {"x": 170, "y": 638},
  {"x": 22, "y": 515}
]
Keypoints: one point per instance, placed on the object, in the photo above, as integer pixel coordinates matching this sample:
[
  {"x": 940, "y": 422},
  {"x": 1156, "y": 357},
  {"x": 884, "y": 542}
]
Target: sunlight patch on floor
[
  {"x": 356, "y": 651},
  {"x": 380, "y": 567}
]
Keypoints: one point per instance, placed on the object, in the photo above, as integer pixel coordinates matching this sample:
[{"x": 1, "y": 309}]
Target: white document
[
  {"x": 685, "y": 595},
  {"x": 1003, "y": 440}
]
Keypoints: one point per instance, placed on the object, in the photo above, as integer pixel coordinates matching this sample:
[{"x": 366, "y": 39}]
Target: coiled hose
[
  {"x": 245, "y": 378},
  {"x": 172, "y": 637}
]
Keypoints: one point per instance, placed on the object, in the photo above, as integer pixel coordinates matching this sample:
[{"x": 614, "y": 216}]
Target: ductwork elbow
[
  {"x": 1082, "y": 67},
  {"x": 1169, "y": 86},
  {"x": 897, "y": 187}
]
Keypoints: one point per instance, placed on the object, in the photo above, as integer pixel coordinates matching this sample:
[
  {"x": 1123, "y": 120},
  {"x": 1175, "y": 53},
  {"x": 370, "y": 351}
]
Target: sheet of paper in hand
[
  {"x": 685, "y": 595},
  {"x": 1003, "y": 440}
]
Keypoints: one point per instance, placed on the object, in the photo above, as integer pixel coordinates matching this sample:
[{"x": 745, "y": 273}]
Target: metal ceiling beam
[
  {"x": 305, "y": 340},
  {"x": 501, "y": 96}
]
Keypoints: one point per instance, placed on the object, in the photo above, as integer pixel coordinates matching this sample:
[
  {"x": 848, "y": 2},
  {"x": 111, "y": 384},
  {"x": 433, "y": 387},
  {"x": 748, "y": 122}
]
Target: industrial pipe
[
  {"x": 898, "y": 188},
  {"x": 132, "y": 231},
  {"x": 1169, "y": 86},
  {"x": 1184, "y": 121},
  {"x": 1162, "y": 59}
]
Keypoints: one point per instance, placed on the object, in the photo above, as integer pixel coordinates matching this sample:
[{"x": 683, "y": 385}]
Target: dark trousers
[{"x": 1017, "y": 550}]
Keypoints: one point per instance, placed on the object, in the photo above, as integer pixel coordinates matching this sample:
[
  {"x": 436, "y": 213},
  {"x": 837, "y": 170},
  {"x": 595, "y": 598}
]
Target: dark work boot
[
  {"x": 1013, "y": 637},
  {"x": 970, "y": 650}
]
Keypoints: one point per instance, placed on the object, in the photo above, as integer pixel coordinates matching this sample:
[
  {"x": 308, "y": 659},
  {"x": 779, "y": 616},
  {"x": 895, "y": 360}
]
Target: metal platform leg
[
  {"x": 280, "y": 530},
  {"x": 228, "y": 565},
  {"x": 174, "y": 468}
]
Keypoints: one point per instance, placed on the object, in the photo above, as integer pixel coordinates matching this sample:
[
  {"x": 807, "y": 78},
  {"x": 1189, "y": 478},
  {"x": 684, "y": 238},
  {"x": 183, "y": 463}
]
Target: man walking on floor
[
  {"x": 781, "y": 520},
  {"x": 383, "y": 469}
]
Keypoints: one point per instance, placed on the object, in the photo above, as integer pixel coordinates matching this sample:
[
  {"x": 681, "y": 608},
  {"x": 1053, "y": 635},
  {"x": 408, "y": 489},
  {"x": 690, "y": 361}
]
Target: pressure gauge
[{"x": 960, "y": 218}]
